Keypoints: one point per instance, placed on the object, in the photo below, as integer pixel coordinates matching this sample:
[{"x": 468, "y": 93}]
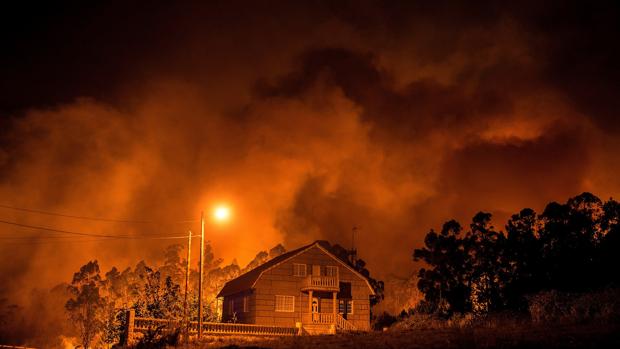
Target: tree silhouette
[
  {"x": 86, "y": 305},
  {"x": 569, "y": 247},
  {"x": 523, "y": 257},
  {"x": 448, "y": 280}
]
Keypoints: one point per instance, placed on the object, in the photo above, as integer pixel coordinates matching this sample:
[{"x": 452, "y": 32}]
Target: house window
[
  {"x": 246, "y": 305},
  {"x": 345, "y": 305},
  {"x": 331, "y": 271},
  {"x": 231, "y": 306},
  {"x": 299, "y": 269},
  {"x": 285, "y": 303}
]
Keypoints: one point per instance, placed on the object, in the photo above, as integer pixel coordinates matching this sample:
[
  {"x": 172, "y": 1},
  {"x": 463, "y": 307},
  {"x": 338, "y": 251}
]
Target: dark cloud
[
  {"x": 311, "y": 118},
  {"x": 498, "y": 177}
]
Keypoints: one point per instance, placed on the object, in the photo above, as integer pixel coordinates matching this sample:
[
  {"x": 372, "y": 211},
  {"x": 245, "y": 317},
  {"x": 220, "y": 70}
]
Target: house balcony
[{"x": 321, "y": 283}]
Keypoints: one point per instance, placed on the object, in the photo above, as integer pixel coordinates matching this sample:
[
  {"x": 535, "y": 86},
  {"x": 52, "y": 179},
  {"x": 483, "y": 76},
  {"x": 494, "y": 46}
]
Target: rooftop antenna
[{"x": 353, "y": 252}]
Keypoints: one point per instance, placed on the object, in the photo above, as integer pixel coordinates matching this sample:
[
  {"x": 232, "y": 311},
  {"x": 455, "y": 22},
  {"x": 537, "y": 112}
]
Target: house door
[
  {"x": 315, "y": 309},
  {"x": 316, "y": 270}
]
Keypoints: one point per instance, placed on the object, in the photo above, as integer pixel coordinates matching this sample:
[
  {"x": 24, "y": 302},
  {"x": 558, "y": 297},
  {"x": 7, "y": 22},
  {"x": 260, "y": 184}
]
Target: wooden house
[{"x": 308, "y": 287}]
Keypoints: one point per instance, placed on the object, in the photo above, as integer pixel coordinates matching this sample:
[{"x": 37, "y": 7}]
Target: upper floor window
[
  {"x": 285, "y": 303},
  {"x": 299, "y": 269},
  {"x": 331, "y": 271}
]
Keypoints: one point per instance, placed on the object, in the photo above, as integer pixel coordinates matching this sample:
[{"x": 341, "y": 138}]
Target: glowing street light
[{"x": 221, "y": 213}]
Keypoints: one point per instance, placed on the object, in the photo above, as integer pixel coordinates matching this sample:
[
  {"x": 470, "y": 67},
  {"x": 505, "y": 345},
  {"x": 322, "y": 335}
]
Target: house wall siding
[
  {"x": 280, "y": 280},
  {"x": 237, "y": 313}
]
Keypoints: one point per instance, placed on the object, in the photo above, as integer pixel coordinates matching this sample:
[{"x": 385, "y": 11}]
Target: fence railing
[
  {"x": 323, "y": 318},
  {"x": 143, "y": 325},
  {"x": 329, "y": 319},
  {"x": 243, "y": 329},
  {"x": 343, "y": 324}
]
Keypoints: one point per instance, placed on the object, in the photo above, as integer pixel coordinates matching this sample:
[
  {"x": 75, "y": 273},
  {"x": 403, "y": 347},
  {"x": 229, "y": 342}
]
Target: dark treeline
[{"x": 571, "y": 247}]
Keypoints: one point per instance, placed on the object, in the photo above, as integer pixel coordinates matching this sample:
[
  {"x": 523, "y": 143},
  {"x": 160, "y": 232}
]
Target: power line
[
  {"x": 41, "y": 242},
  {"x": 101, "y": 219},
  {"x": 57, "y": 230},
  {"x": 60, "y": 238},
  {"x": 154, "y": 237}
]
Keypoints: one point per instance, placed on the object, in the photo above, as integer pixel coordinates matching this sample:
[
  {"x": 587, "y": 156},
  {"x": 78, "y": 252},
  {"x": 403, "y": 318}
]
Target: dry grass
[{"x": 583, "y": 336}]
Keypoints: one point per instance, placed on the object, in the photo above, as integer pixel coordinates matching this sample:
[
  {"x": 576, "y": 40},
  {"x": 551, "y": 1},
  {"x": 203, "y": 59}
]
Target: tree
[
  {"x": 569, "y": 247},
  {"x": 86, "y": 305},
  {"x": 277, "y": 250},
  {"x": 112, "y": 326},
  {"x": 523, "y": 253},
  {"x": 447, "y": 282},
  {"x": 489, "y": 270},
  {"x": 260, "y": 258},
  {"x": 570, "y": 237},
  {"x": 610, "y": 243},
  {"x": 173, "y": 264}
]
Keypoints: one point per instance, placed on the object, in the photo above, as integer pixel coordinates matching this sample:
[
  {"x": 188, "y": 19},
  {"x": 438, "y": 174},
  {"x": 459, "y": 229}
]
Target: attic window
[
  {"x": 299, "y": 269},
  {"x": 285, "y": 303}
]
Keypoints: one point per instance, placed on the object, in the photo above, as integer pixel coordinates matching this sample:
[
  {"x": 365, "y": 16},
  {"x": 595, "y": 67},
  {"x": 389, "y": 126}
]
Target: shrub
[
  {"x": 159, "y": 339},
  {"x": 554, "y": 306},
  {"x": 384, "y": 320}
]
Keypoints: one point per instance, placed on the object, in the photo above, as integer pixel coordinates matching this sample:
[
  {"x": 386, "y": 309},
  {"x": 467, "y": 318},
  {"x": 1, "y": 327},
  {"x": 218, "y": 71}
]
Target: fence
[{"x": 144, "y": 325}]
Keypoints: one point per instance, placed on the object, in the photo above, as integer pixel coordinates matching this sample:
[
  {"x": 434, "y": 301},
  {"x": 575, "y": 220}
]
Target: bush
[
  {"x": 384, "y": 320},
  {"x": 554, "y": 306},
  {"x": 159, "y": 339}
]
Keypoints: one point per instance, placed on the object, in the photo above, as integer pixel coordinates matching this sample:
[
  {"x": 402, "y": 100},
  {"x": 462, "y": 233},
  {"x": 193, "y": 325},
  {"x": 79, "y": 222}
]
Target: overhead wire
[
  {"x": 38, "y": 241},
  {"x": 105, "y": 236},
  {"x": 75, "y": 235},
  {"x": 101, "y": 219}
]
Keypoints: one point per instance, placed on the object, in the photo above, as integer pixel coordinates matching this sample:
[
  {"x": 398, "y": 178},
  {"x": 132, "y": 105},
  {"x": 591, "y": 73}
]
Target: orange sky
[{"x": 306, "y": 120}]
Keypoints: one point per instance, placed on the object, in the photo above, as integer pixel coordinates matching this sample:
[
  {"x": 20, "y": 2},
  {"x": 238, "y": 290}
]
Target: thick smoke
[{"x": 308, "y": 120}]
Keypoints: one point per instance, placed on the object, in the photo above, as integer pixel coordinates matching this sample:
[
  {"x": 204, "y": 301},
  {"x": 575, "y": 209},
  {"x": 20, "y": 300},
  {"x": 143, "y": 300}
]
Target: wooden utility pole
[
  {"x": 202, "y": 251},
  {"x": 189, "y": 256}
]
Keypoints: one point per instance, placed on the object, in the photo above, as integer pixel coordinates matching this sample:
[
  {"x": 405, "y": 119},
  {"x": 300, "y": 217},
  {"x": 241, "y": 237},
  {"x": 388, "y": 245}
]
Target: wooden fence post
[{"x": 131, "y": 317}]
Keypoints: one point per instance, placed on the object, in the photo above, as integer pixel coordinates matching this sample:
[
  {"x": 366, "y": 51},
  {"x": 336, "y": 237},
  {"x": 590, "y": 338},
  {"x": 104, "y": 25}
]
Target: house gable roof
[{"x": 248, "y": 280}]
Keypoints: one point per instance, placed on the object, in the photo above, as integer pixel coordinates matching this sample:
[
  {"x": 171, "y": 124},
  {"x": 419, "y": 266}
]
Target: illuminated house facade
[{"x": 308, "y": 287}]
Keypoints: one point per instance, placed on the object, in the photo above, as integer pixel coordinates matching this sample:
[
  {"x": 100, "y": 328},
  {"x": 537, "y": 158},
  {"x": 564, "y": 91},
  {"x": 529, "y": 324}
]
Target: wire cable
[
  {"x": 40, "y": 242},
  {"x": 154, "y": 237},
  {"x": 101, "y": 219}
]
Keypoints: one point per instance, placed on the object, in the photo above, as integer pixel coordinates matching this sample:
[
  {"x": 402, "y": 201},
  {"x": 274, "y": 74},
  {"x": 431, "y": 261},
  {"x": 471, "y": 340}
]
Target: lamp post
[
  {"x": 202, "y": 252},
  {"x": 220, "y": 214}
]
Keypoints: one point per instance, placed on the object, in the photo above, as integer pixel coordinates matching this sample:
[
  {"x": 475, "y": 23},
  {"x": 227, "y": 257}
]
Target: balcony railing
[{"x": 321, "y": 283}]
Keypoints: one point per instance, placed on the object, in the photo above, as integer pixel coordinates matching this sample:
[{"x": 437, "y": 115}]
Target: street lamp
[{"x": 221, "y": 214}]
